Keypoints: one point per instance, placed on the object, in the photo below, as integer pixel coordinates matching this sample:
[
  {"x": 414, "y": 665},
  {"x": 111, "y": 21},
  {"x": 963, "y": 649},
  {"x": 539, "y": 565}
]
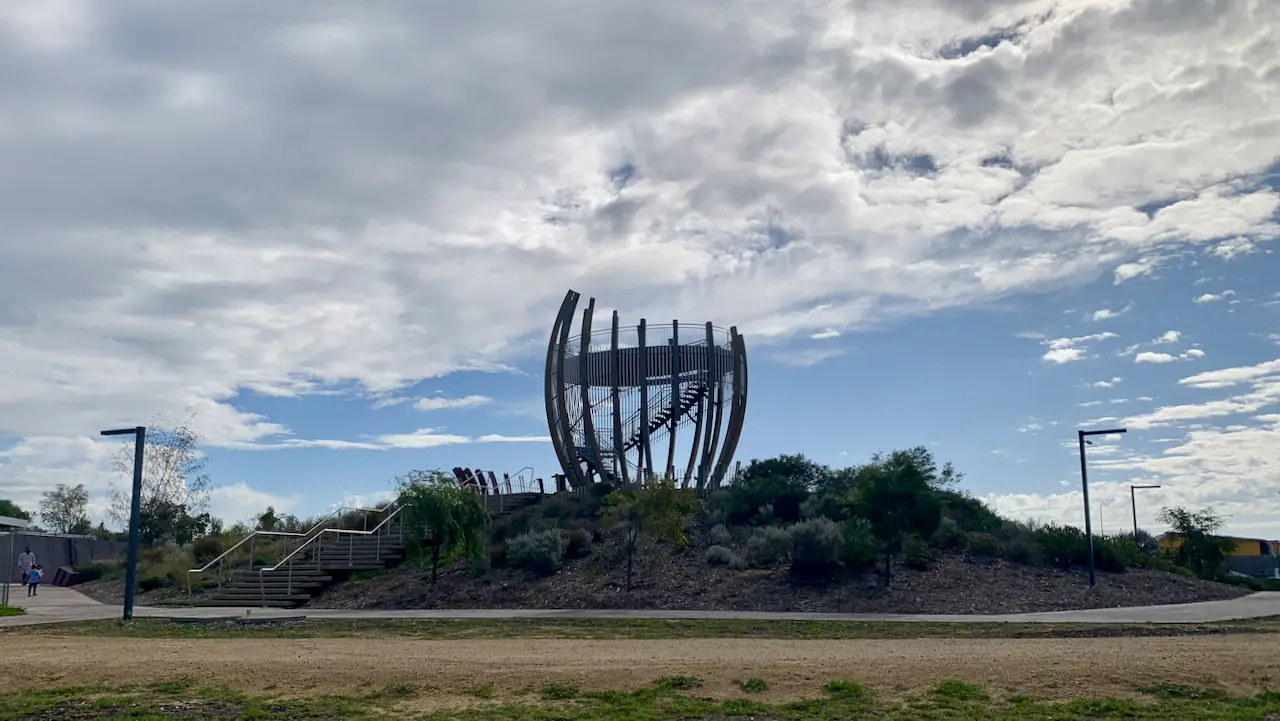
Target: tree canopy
[
  {"x": 440, "y": 515},
  {"x": 65, "y": 509},
  {"x": 9, "y": 509},
  {"x": 657, "y": 511}
]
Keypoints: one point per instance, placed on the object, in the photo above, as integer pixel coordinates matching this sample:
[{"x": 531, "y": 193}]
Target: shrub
[
  {"x": 1106, "y": 557},
  {"x": 1063, "y": 546},
  {"x": 983, "y": 545},
  {"x": 497, "y": 554},
  {"x": 744, "y": 500},
  {"x": 764, "y": 515},
  {"x": 821, "y": 505},
  {"x": 719, "y": 556},
  {"x": 720, "y": 535},
  {"x": 949, "y": 536},
  {"x": 860, "y": 549},
  {"x": 768, "y": 546},
  {"x": 969, "y": 513},
  {"x": 816, "y": 546},
  {"x": 916, "y": 554},
  {"x": 207, "y": 548},
  {"x": 538, "y": 551},
  {"x": 578, "y": 543},
  {"x": 1022, "y": 548},
  {"x": 151, "y": 583},
  {"x": 1127, "y": 551}
]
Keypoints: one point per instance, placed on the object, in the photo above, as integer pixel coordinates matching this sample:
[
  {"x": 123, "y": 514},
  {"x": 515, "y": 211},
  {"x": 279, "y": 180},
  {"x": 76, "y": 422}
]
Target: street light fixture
[
  {"x": 1084, "y": 484},
  {"x": 1134, "y": 502},
  {"x": 135, "y": 513}
]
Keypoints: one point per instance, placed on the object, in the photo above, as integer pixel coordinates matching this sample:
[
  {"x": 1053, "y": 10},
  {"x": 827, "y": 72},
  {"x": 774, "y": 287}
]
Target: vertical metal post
[
  {"x": 1088, "y": 522},
  {"x": 1133, "y": 501},
  {"x": 8, "y": 570},
  {"x": 615, "y": 362},
  {"x": 135, "y": 521},
  {"x": 647, "y": 468},
  {"x": 675, "y": 399}
]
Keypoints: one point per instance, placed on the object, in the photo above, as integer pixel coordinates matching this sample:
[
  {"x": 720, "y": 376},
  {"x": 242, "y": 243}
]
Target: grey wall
[
  {"x": 54, "y": 551},
  {"x": 1256, "y": 566}
]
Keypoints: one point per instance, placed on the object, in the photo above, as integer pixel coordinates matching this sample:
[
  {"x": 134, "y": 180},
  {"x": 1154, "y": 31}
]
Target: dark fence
[
  {"x": 53, "y": 551},
  {"x": 1256, "y": 566}
]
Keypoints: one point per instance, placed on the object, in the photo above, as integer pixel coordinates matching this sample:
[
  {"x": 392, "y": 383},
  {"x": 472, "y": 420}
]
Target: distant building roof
[{"x": 7, "y": 522}]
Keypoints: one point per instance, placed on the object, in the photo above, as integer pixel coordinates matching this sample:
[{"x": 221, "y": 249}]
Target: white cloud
[
  {"x": 1214, "y": 297},
  {"x": 1115, "y": 380},
  {"x": 1234, "y": 248},
  {"x": 429, "y": 438},
  {"x": 1067, "y": 350},
  {"x": 1170, "y": 336},
  {"x": 439, "y": 404},
  {"x": 1228, "y": 377},
  {"x": 1191, "y": 354},
  {"x": 239, "y": 502},
  {"x": 1149, "y": 357},
  {"x": 1030, "y": 427},
  {"x": 1089, "y": 404},
  {"x": 333, "y": 202},
  {"x": 1108, "y": 314},
  {"x": 808, "y": 356},
  {"x": 823, "y": 335}
]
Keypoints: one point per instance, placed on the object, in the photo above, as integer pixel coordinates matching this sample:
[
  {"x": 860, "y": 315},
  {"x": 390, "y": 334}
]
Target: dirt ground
[{"x": 1052, "y": 668}]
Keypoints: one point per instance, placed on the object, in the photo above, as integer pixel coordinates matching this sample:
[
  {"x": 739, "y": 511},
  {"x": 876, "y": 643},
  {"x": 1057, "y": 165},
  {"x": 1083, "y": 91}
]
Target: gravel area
[{"x": 681, "y": 580}]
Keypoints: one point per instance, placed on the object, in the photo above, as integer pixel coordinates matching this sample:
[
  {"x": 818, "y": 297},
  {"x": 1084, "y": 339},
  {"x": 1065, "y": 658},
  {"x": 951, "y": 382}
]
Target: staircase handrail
[
  {"x": 336, "y": 531},
  {"x": 336, "y": 512}
]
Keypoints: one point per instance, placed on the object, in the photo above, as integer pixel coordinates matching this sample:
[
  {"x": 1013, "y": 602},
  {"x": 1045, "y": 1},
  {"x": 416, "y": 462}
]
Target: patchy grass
[
  {"x": 11, "y": 611},
  {"x": 664, "y": 699},
  {"x": 654, "y": 629}
]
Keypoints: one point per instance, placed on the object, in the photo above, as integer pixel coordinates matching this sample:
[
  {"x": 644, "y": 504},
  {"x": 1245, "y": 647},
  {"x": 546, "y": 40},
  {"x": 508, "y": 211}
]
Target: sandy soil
[{"x": 1056, "y": 668}]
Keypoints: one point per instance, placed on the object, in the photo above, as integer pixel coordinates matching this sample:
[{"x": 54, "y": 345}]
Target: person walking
[
  {"x": 26, "y": 562},
  {"x": 33, "y": 580}
]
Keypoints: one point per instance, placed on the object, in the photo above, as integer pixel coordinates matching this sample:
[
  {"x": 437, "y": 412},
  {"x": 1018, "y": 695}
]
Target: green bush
[
  {"x": 916, "y": 554},
  {"x": 983, "y": 545},
  {"x": 206, "y": 548},
  {"x": 151, "y": 583},
  {"x": 816, "y": 546},
  {"x": 949, "y": 536},
  {"x": 720, "y": 535},
  {"x": 1022, "y": 548},
  {"x": 860, "y": 549},
  {"x": 719, "y": 556},
  {"x": 969, "y": 513},
  {"x": 1106, "y": 557},
  {"x": 1063, "y": 546},
  {"x": 743, "y": 501},
  {"x": 1128, "y": 551},
  {"x": 538, "y": 551},
  {"x": 497, "y": 554},
  {"x": 578, "y": 543},
  {"x": 768, "y": 545}
]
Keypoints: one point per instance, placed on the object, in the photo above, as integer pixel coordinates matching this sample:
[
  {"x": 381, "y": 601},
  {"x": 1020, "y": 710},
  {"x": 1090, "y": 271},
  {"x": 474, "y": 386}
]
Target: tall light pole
[
  {"x": 135, "y": 514},
  {"x": 1084, "y": 484},
  {"x": 1133, "y": 501}
]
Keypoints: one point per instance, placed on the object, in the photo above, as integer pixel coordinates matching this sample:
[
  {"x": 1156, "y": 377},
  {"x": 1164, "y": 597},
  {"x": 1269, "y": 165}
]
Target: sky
[{"x": 338, "y": 235}]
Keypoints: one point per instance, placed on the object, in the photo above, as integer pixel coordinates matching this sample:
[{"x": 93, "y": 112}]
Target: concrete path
[{"x": 63, "y": 605}]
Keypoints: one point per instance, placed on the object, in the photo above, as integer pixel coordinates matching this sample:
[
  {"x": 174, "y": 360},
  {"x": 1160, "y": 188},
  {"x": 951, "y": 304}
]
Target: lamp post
[
  {"x": 1133, "y": 501},
  {"x": 1084, "y": 485},
  {"x": 135, "y": 514}
]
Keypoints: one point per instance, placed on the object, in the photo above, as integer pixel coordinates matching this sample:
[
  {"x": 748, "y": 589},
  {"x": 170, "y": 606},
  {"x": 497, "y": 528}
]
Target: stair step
[
  {"x": 355, "y": 567},
  {"x": 251, "y": 603},
  {"x": 271, "y": 585}
]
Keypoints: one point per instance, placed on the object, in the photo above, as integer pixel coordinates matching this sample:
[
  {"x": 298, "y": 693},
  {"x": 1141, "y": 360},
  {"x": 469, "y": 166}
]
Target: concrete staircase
[{"x": 332, "y": 558}]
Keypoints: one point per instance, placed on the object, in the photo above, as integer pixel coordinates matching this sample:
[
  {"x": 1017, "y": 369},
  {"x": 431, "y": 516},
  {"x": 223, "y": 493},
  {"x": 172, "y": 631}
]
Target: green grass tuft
[{"x": 754, "y": 685}]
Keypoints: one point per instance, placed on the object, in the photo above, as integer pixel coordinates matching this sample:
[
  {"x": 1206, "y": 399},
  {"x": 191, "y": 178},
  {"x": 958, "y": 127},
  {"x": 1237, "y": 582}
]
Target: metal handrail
[
  {"x": 338, "y": 531},
  {"x": 319, "y": 538},
  {"x": 252, "y": 537}
]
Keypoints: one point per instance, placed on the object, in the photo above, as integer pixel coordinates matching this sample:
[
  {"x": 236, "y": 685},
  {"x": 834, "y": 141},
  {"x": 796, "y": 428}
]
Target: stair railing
[
  {"x": 252, "y": 540},
  {"x": 318, "y": 541}
]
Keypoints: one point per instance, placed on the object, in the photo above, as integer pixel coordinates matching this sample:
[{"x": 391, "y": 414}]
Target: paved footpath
[{"x": 60, "y": 605}]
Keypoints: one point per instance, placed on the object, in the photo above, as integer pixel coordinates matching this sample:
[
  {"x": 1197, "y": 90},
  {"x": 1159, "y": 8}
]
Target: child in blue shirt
[{"x": 33, "y": 580}]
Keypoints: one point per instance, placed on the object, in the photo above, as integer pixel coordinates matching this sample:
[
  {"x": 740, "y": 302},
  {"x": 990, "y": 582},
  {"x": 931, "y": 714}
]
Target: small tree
[
  {"x": 10, "y": 509},
  {"x": 1200, "y": 550},
  {"x": 267, "y": 520},
  {"x": 172, "y": 472},
  {"x": 441, "y": 514},
  {"x": 159, "y": 519},
  {"x": 65, "y": 509},
  {"x": 897, "y": 501},
  {"x": 658, "y": 511}
]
